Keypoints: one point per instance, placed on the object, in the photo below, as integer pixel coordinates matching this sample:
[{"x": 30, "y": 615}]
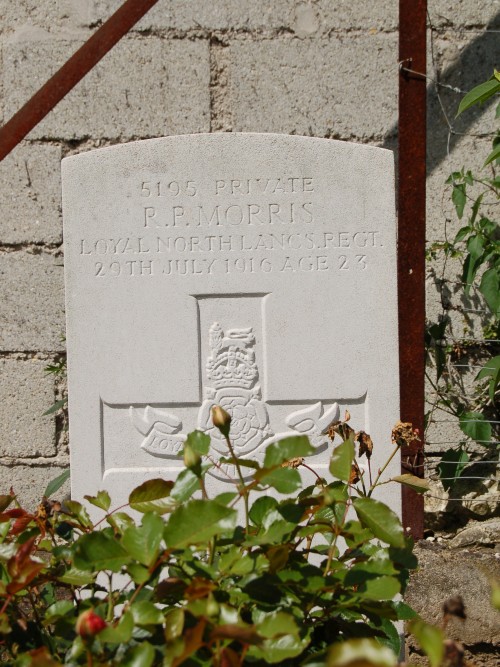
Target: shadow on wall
[{"x": 473, "y": 64}]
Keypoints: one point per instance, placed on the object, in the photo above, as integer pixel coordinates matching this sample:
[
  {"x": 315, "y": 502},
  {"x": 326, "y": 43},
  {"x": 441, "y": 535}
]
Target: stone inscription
[{"x": 180, "y": 234}]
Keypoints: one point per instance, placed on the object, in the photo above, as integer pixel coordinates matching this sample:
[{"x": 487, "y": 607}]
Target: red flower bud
[{"x": 89, "y": 624}]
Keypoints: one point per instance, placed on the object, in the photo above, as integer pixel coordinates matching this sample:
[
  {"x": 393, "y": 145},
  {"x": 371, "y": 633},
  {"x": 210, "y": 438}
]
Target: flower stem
[
  {"x": 381, "y": 471},
  {"x": 243, "y": 490}
]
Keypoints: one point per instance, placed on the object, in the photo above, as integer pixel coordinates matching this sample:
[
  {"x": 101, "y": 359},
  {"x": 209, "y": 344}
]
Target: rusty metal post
[
  {"x": 71, "y": 73},
  {"x": 411, "y": 241}
]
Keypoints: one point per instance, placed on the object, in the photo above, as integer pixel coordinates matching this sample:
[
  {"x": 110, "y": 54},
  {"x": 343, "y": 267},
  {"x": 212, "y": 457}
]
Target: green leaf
[
  {"x": 5, "y": 501},
  {"x": 76, "y": 510},
  {"x": 185, "y": 485},
  {"x": 56, "y": 483},
  {"x": 260, "y": 508},
  {"x": 495, "y": 594},
  {"x": 102, "y": 500},
  {"x": 199, "y": 441},
  {"x": 284, "y": 480},
  {"x": 341, "y": 461},
  {"x": 59, "y": 610},
  {"x": 120, "y": 521},
  {"x": 476, "y": 426},
  {"x": 99, "y": 551},
  {"x": 475, "y": 209},
  {"x": 143, "y": 543},
  {"x": 362, "y": 652},
  {"x": 451, "y": 465},
  {"x": 392, "y": 637},
  {"x": 380, "y": 588},
  {"x": 492, "y": 368},
  {"x": 431, "y": 640},
  {"x": 462, "y": 233},
  {"x": 152, "y": 496},
  {"x": 139, "y": 573},
  {"x": 198, "y": 521},
  {"x": 475, "y": 245},
  {"x": 279, "y": 649},
  {"x": 5, "y": 627},
  {"x": 490, "y": 289},
  {"x": 121, "y": 634},
  {"x": 494, "y": 155},
  {"x": 379, "y": 563},
  {"x": 274, "y": 533},
  {"x": 355, "y": 535},
  {"x": 141, "y": 655},
  {"x": 145, "y": 613},
  {"x": 381, "y": 520},
  {"x": 459, "y": 198},
  {"x": 287, "y": 449},
  {"x": 275, "y": 624},
  {"x": 468, "y": 273},
  {"x": 418, "y": 484},
  {"x": 76, "y": 577},
  {"x": 174, "y": 624},
  {"x": 226, "y": 498},
  {"x": 404, "y": 611},
  {"x": 479, "y": 94},
  {"x": 55, "y": 407}
]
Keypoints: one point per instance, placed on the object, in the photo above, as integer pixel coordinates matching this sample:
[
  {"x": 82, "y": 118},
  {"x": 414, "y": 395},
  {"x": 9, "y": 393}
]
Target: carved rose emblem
[
  {"x": 249, "y": 420},
  {"x": 245, "y": 419}
]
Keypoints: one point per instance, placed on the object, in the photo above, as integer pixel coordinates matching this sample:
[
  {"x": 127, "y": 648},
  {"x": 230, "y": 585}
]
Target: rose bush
[{"x": 310, "y": 577}]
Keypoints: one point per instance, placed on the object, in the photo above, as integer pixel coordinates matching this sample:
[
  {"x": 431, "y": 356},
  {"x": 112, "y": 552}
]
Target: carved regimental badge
[{"x": 233, "y": 383}]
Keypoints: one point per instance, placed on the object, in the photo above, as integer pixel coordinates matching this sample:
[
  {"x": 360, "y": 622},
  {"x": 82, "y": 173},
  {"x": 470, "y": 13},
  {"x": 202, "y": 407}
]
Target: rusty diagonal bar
[
  {"x": 80, "y": 63},
  {"x": 411, "y": 242}
]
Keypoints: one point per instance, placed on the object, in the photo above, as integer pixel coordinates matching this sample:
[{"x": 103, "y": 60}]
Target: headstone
[{"x": 253, "y": 271}]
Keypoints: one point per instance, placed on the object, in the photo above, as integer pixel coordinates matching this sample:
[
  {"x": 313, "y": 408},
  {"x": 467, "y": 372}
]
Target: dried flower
[
  {"x": 332, "y": 430},
  {"x": 341, "y": 428},
  {"x": 454, "y": 606},
  {"x": 293, "y": 463},
  {"x": 365, "y": 444},
  {"x": 403, "y": 434},
  {"x": 89, "y": 624},
  {"x": 354, "y": 476},
  {"x": 454, "y": 654},
  {"x": 221, "y": 420}
]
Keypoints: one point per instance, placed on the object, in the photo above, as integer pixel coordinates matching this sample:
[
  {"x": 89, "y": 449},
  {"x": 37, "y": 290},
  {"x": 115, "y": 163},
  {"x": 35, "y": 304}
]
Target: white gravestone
[{"x": 253, "y": 271}]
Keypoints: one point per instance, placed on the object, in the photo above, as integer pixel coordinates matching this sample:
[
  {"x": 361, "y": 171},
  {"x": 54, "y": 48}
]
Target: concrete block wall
[
  {"x": 314, "y": 67},
  {"x": 463, "y": 51}
]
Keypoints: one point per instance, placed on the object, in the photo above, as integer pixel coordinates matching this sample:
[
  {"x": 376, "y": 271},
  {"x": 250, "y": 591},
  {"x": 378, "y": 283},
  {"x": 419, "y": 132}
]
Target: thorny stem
[
  {"x": 161, "y": 559},
  {"x": 381, "y": 471},
  {"x": 6, "y": 603},
  {"x": 333, "y": 546},
  {"x": 35, "y": 610},
  {"x": 212, "y": 548},
  {"x": 117, "y": 509},
  {"x": 358, "y": 470},
  {"x": 370, "y": 472},
  {"x": 243, "y": 489},
  {"x": 320, "y": 479},
  {"x": 109, "y": 614},
  {"x": 203, "y": 487}
]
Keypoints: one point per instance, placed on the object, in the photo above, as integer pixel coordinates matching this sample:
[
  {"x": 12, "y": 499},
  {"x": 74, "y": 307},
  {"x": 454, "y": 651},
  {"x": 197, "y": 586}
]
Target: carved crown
[{"x": 231, "y": 363}]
